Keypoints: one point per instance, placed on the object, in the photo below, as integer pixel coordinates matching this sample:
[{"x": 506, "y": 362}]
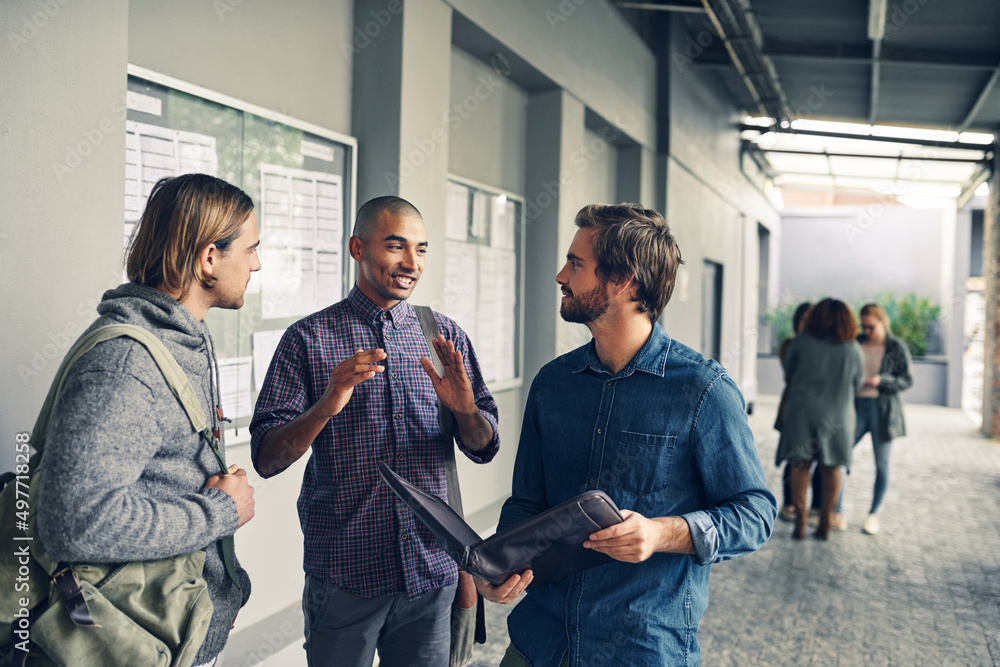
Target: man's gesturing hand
[
  {"x": 349, "y": 373},
  {"x": 238, "y": 488},
  {"x": 506, "y": 592},
  {"x": 454, "y": 388}
]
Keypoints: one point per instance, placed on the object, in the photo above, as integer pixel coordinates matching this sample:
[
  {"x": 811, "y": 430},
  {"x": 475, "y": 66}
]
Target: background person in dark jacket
[
  {"x": 824, "y": 368},
  {"x": 787, "y": 505},
  {"x": 878, "y": 405}
]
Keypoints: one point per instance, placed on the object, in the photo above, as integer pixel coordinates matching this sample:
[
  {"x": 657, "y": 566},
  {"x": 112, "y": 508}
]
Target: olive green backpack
[{"x": 134, "y": 614}]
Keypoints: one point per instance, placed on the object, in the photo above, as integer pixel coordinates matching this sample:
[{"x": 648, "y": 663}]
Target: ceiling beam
[
  {"x": 858, "y": 54},
  {"x": 652, "y": 6},
  {"x": 970, "y": 187},
  {"x": 876, "y": 31},
  {"x": 977, "y": 106},
  {"x": 742, "y": 38}
]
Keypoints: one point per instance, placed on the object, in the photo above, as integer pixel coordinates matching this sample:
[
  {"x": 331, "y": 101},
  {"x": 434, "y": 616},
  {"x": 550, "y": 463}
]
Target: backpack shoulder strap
[
  {"x": 430, "y": 328},
  {"x": 176, "y": 379},
  {"x": 172, "y": 373}
]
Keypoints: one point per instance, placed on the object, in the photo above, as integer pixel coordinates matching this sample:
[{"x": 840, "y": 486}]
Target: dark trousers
[{"x": 345, "y": 630}]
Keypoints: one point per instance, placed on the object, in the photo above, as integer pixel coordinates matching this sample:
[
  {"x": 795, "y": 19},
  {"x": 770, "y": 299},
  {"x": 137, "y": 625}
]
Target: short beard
[{"x": 586, "y": 308}]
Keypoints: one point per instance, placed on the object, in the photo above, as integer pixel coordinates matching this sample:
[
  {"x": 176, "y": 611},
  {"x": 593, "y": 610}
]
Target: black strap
[
  {"x": 69, "y": 589},
  {"x": 227, "y": 543},
  {"x": 430, "y": 328}
]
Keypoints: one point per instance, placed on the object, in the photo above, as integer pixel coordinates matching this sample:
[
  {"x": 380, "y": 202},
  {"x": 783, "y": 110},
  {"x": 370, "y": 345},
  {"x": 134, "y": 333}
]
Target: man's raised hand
[
  {"x": 454, "y": 388},
  {"x": 348, "y": 374}
]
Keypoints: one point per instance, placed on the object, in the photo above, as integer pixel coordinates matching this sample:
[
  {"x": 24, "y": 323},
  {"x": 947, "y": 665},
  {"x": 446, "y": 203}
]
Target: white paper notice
[
  {"x": 234, "y": 386},
  {"x": 152, "y": 152},
  {"x": 502, "y": 234},
  {"x": 301, "y": 234},
  {"x": 487, "y": 341},
  {"x": 457, "y": 217},
  {"x": 482, "y": 208},
  {"x": 506, "y": 314},
  {"x": 460, "y": 291},
  {"x": 264, "y": 344},
  {"x": 288, "y": 282}
]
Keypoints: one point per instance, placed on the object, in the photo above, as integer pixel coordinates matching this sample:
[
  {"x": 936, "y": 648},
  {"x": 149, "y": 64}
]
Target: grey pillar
[
  {"x": 554, "y": 193},
  {"x": 402, "y": 79},
  {"x": 991, "y": 280}
]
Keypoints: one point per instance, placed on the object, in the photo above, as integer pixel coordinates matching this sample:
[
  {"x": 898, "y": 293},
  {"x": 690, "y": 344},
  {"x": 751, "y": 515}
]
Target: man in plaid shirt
[{"x": 353, "y": 382}]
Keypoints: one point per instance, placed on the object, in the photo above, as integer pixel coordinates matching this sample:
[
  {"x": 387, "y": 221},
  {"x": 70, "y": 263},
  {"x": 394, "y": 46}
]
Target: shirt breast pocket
[{"x": 642, "y": 465}]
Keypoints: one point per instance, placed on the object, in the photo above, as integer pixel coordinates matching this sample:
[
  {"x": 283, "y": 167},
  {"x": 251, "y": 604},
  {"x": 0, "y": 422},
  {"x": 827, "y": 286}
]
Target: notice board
[
  {"x": 483, "y": 275},
  {"x": 302, "y": 180}
]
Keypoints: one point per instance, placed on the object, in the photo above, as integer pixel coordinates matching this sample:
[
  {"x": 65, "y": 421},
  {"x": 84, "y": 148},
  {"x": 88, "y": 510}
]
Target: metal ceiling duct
[{"x": 736, "y": 25}]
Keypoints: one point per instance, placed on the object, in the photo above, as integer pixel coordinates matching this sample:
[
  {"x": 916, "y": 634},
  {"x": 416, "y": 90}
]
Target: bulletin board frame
[
  {"x": 234, "y": 330},
  {"x": 474, "y": 186}
]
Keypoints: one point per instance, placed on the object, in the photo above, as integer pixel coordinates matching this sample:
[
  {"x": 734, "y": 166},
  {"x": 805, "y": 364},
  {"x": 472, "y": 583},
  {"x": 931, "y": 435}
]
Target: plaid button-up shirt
[{"x": 358, "y": 535}]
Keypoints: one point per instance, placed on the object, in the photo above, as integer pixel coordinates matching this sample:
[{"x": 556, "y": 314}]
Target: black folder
[{"x": 550, "y": 543}]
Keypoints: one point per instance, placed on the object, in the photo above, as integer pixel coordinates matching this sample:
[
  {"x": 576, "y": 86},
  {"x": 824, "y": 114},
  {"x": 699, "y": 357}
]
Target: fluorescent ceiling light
[
  {"x": 913, "y": 133},
  {"x": 876, "y": 19},
  {"x": 831, "y": 126},
  {"x": 976, "y": 138}
]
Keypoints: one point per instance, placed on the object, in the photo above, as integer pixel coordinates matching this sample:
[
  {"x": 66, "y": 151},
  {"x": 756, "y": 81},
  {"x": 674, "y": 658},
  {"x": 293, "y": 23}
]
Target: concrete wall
[
  {"x": 713, "y": 209},
  {"x": 284, "y": 56},
  {"x": 856, "y": 253},
  {"x": 62, "y": 148},
  {"x": 489, "y": 143}
]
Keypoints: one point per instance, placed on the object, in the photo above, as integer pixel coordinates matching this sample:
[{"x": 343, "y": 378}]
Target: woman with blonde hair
[
  {"x": 878, "y": 406},
  {"x": 824, "y": 368}
]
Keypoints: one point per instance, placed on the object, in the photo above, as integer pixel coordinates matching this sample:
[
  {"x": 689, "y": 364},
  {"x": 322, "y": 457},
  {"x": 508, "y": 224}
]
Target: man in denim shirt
[{"x": 657, "y": 427}]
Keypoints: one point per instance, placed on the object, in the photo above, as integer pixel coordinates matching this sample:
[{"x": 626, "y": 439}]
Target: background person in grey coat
[
  {"x": 878, "y": 405},
  {"x": 124, "y": 477},
  {"x": 825, "y": 369}
]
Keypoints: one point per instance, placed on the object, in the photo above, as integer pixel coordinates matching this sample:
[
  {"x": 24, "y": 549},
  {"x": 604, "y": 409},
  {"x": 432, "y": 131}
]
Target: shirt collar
[
  {"x": 371, "y": 312},
  {"x": 651, "y": 357}
]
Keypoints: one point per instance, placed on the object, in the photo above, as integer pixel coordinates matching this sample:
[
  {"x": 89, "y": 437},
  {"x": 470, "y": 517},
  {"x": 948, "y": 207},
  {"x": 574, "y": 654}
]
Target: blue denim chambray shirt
[{"x": 665, "y": 436}]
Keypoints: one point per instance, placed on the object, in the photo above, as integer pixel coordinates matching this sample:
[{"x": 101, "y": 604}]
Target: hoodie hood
[
  {"x": 152, "y": 309},
  {"x": 187, "y": 337}
]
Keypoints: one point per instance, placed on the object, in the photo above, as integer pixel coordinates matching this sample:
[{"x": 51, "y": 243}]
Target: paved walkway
[{"x": 924, "y": 591}]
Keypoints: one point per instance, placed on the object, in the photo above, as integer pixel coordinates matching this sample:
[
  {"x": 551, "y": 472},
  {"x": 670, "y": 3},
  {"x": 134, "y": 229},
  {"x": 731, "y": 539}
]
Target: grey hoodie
[{"x": 123, "y": 473}]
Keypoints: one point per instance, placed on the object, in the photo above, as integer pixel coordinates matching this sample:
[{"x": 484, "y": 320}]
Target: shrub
[{"x": 913, "y": 319}]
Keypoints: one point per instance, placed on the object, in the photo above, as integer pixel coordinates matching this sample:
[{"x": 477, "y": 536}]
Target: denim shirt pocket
[{"x": 642, "y": 464}]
